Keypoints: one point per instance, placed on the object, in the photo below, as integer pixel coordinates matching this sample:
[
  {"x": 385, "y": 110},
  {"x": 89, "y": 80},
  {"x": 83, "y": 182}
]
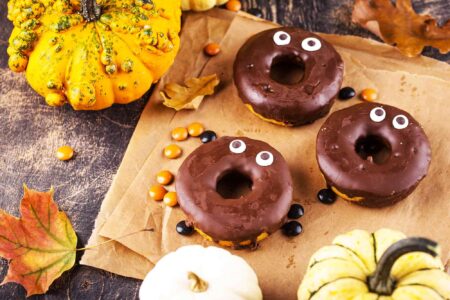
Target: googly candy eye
[
  {"x": 377, "y": 114},
  {"x": 311, "y": 44},
  {"x": 237, "y": 146},
  {"x": 264, "y": 158},
  {"x": 400, "y": 122},
  {"x": 281, "y": 38}
]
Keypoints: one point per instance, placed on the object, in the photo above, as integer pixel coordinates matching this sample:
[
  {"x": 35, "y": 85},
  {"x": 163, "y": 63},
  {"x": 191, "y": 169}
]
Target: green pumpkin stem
[
  {"x": 90, "y": 10},
  {"x": 381, "y": 282},
  {"x": 198, "y": 285}
]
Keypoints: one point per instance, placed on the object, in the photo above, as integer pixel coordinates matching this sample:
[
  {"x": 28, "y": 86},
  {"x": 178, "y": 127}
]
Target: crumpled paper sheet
[{"x": 420, "y": 85}]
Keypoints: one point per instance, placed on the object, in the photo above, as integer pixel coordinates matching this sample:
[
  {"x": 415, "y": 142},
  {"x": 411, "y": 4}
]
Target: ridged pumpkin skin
[
  {"x": 197, "y": 273},
  {"x": 341, "y": 271},
  {"x": 93, "y": 64},
  {"x": 201, "y": 5}
]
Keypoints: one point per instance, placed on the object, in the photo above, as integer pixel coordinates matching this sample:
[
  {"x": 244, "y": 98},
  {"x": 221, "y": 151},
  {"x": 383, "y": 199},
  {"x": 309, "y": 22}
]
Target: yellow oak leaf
[
  {"x": 191, "y": 95},
  {"x": 399, "y": 25},
  {"x": 40, "y": 246}
]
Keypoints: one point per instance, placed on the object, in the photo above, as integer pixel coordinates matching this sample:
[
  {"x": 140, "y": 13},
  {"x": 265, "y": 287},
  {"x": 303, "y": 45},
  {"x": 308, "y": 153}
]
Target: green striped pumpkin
[{"x": 384, "y": 265}]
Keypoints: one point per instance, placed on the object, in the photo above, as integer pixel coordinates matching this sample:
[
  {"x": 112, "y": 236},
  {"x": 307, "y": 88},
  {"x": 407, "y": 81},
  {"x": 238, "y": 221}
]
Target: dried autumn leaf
[
  {"x": 41, "y": 245},
  {"x": 399, "y": 25},
  {"x": 190, "y": 96}
]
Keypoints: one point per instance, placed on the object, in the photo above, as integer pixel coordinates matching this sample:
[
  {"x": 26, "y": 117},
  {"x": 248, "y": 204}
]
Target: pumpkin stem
[
  {"x": 90, "y": 10},
  {"x": 198, "y": 285},
  {"x": 381, "y": 282}
]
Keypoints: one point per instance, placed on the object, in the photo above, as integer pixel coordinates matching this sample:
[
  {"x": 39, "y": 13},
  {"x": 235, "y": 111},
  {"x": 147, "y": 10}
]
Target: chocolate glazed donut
[
  {"x": 373, "y": 154},
  {"x": 235, "y": 221},
  {"x": 288, "y": 76}
]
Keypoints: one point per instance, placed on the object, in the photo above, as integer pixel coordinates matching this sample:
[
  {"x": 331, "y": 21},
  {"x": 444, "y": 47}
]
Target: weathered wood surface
[{"x": 30, "y": 132}]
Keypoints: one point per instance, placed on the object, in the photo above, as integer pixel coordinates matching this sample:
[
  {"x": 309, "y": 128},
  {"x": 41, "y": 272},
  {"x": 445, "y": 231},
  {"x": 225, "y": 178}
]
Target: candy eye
[
  {"x": 281, "y": 38},
  {"x": 264, "y": 158},
  {"x": 400, "y": 122},
  {"x": 237, "y": 146},
  {"x": 377, "y": 114},
  {"x": 311, "y": 44}
]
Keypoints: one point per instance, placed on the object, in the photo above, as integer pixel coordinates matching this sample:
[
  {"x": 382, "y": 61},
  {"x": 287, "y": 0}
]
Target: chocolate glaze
[
  {"x": 263, "y": 209},
  {"x": 379, "y": 184},
  {"x": 294, "y": 104}
]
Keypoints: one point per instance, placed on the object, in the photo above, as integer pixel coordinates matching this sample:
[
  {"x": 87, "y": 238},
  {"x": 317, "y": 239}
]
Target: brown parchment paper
[{"x": 420, "y": 85}]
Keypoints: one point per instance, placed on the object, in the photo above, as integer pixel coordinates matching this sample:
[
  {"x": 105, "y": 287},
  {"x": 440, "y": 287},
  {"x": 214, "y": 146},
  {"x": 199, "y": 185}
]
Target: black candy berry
[
  {"x": 292, "y": 228},
  {"x": 208, "y": 136},
  {"x": 184, "y": 229},
  {"x": 326, "y": 196},
  {"x": 256, "y": 12},
  {"x": 347, "y": 93},
  {"x": 296, "y": 211}
]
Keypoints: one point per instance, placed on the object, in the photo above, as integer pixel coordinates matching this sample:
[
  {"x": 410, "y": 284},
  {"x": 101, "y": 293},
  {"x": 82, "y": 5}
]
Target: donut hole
[
  {"x": 234, "y": 185},
  {"x": 287, "y": 69},
  {"x": 373, "y": 148}
]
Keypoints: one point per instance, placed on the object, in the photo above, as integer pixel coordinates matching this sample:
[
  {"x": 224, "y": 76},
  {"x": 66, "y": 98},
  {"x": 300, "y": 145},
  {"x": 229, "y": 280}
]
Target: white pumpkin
[
  {"x": 198, "y": 273},
  {"x": 200, "y": 5}
]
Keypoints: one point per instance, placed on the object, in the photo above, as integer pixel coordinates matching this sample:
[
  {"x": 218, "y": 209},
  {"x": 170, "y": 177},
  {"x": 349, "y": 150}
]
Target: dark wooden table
[{"x": 30, "y": 131}]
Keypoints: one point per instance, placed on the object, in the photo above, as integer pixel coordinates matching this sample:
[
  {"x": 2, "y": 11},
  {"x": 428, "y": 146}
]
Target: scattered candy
[
  {"x": 296, "y": 211},
  {"x": 212, "y": 49},
  {"x": 256, "y": 12},
  {"x": 64, "y": 153},
  {"x": 184, "y": 229},
  {"x": 170, "y": 199},
  {"x": 292, "y": 228},
  {"x": 347, "y": 93},
  {"x": 369, "y": 95},
  {"x": 179, "y": 134},
  {"x": 164, "y": 177},
  {"x": 326, "y": 196},
  {"x": 195, "y": 129},
  {"x": 172, "y": 151},
  {"x": 208, "y": 136},
  {"x": 234, "y": 5},
  {"x": 157, "y": 192}
]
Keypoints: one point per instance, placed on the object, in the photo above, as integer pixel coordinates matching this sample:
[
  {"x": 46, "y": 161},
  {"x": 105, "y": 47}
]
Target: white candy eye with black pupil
[
  {"x": 400, "y": 122},
  {"x": 311, "y": 44},
  {"x": 377, "y": 114},
  {"x": 264, "y": 158},
  {"x": 237, "y": 146},
  {"x": 281, "y": 38}
]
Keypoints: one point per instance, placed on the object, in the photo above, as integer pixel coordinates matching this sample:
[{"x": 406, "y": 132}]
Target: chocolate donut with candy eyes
[
  {"x": 373, "y": 154},
  {"x": 237, "y": 220},
  {"x": 288, "y": 76}
]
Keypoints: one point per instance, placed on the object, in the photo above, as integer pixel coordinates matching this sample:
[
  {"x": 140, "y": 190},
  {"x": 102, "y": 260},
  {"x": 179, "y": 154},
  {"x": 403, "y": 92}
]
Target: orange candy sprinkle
[
  {"x": 369, "y": 95},
  {"x": 172, "y": 151},
  {"x": 212, "y": 49},
  {"x": 171, "y": 199},
  {"x": 164, "y": 177},
  {"x": 195, "y": 129},
  {"x": 64, "y": 153},
  {"x": 234, "y": 5},
  {"x": 157, "y": 192},
  {"x": 179, "y": 134}
]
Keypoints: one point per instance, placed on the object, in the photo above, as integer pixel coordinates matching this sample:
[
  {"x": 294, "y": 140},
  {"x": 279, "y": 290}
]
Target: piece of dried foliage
[
  {"x": 191, "y": 95},
  {"x": 401, "y": 26},
  {"x": 40, "y": 246}
]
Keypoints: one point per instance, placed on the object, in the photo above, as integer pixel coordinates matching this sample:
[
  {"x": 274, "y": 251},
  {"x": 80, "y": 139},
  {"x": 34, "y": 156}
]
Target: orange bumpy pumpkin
[
  {"x": 201, "y": 5},
  {"x": 91, "y": 53}
]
